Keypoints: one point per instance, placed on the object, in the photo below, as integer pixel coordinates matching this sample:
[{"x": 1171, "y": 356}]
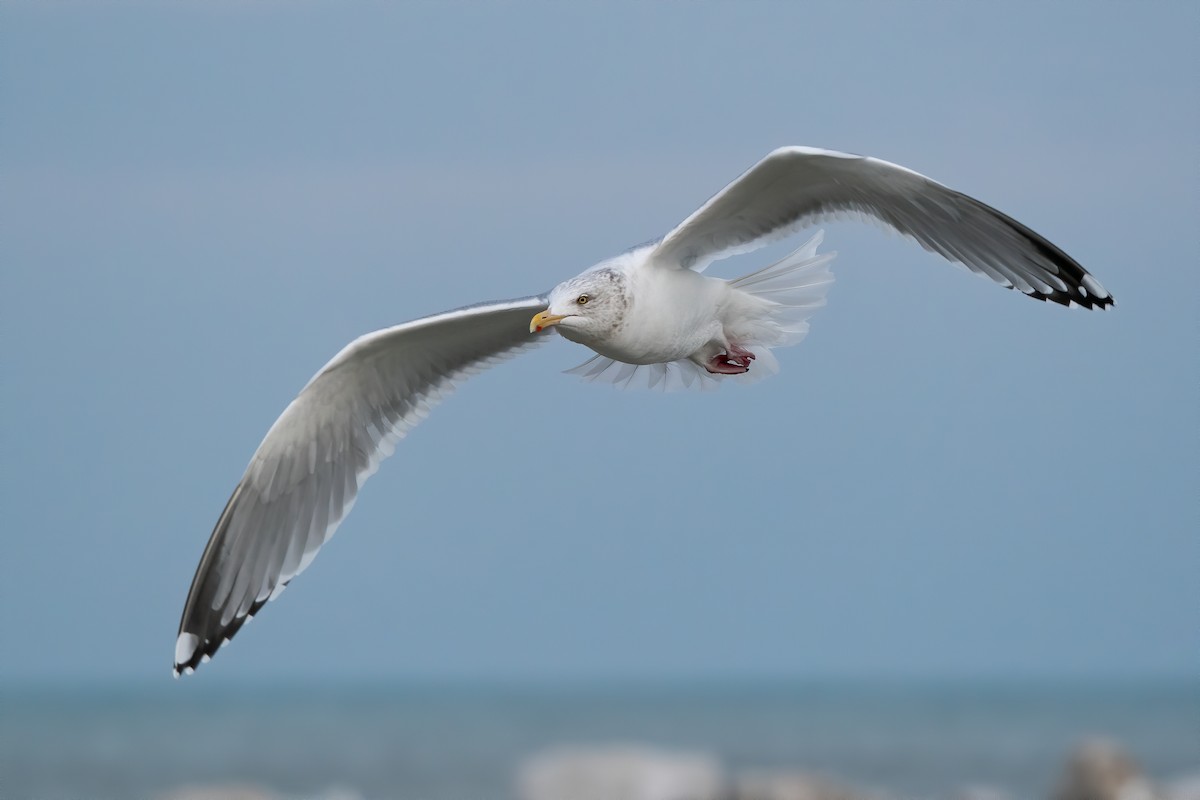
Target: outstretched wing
[
  {"x": 795, "y": 187},
  {"x": 304, "y": 476}
]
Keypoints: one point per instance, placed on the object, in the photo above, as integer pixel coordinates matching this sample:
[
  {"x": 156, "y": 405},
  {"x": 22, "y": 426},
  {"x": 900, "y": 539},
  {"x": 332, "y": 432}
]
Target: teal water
[{"x": 465, "y": 742}]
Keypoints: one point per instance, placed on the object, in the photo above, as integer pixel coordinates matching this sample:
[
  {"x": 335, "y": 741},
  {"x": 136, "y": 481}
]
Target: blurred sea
[{"x": 466, "y": 742}]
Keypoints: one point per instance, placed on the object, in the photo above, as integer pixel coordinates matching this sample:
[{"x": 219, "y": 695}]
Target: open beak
[{"x": 544, "y": 319}]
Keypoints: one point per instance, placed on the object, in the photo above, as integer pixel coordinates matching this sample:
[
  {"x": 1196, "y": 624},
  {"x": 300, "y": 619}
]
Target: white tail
[{"x": 795, "y": 286}]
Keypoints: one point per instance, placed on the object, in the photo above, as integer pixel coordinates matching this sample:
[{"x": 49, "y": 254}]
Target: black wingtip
[
  {"x": 1078, "y": 297},
  {"x": 1082, "y": 289},
  {"x": 191, "y": 650}
]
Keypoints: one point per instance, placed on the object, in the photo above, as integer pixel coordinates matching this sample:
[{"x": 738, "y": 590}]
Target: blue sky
[{"x": 204, "y": 201}]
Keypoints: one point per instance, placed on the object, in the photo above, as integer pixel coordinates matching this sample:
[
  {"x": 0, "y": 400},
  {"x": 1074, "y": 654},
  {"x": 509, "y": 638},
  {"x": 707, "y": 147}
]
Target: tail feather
[
  {"x": 799, "y": 279},
  {"x": 796, "y": 260},
  {"x": 790, "y": 290}
]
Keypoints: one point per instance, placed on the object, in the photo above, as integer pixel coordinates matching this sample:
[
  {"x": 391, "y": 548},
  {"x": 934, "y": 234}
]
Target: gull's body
[
  {"x": 650, "y": 316},
  {"x": 645, "y": 335}
]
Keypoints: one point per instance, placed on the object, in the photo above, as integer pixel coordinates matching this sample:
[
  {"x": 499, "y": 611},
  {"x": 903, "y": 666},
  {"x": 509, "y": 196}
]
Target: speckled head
[{"x": 589, "y": 307}]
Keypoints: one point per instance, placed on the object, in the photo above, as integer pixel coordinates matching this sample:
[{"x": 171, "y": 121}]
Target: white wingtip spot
[
  {"x": 1094, "y": 287},
  {"x": 185, "y": 647}
]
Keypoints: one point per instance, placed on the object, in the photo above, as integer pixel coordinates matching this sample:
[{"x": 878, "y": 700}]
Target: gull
[{"x": 651, "y": 318}]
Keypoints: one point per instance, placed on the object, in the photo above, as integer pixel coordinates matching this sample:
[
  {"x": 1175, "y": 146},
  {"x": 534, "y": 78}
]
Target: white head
[{"x": 589, "y": 307}]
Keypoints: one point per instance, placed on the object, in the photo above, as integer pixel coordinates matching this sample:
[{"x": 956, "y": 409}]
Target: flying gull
[{"x": 649, "y": 315}]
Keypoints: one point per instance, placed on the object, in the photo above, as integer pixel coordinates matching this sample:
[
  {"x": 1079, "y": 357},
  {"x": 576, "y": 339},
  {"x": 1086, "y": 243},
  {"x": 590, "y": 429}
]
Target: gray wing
[
  {"x": 795, "y": 187},
  {"x": 305, "y": 475}
]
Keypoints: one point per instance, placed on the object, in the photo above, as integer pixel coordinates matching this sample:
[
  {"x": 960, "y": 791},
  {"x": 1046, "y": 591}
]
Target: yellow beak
[{"x": 544, "y": 319}]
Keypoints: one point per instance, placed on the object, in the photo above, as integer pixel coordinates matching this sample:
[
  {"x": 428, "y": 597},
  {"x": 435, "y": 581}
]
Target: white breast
[{"x": 672, "y": 313}]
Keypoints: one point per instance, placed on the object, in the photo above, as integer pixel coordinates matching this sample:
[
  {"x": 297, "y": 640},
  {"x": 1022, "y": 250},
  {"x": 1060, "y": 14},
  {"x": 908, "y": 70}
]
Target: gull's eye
[{"x": 582, "y": 299}]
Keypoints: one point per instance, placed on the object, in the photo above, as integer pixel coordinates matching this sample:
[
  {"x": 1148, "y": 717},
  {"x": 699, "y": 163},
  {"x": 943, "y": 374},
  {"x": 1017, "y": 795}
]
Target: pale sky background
[{"x": 202, "y": 202}]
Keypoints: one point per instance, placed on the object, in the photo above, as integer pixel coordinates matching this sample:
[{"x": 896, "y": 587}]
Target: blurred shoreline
[
  {"x": 1172, "y": 685},
  {"x": 454, "y": 739}
]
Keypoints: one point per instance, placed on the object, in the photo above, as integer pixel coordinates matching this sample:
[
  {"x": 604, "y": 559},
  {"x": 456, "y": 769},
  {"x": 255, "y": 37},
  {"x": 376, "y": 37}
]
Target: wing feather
[
  {"x": 795, "y": 187},
  {"x": 306, "y": 473}
]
